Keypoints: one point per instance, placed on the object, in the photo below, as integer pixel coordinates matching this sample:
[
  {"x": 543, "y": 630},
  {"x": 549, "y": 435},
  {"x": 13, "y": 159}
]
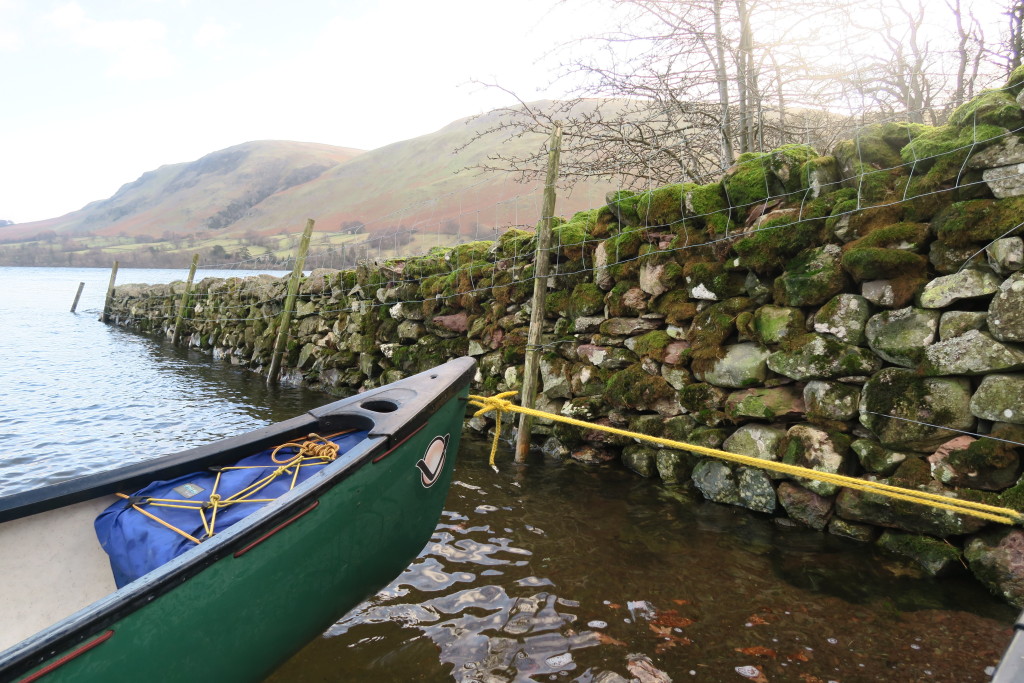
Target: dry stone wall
[{"x": 860, "y": 312}]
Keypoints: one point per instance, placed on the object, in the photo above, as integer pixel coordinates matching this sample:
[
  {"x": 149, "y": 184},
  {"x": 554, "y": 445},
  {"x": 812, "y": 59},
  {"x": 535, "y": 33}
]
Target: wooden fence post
[
  {"x": 105, "y": 316},
  {"x": 180, "y": 318},
  {"x": 289, "y": 304},
  {"x": 540, "y": 286},
  {"x": 78, "y": 296}
]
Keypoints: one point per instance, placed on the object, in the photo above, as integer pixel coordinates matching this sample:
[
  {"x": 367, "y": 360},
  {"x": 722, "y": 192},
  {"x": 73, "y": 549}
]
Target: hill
[{"x": 271, "y": 187}]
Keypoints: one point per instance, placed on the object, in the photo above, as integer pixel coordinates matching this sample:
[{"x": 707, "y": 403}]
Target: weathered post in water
[
  {"x": 540, "y": 286},
  {"x": 179, "y": 319},
  {"x": 78, "y": 295},
  {"x": 289, "y": 304},
  {"x": 110, "y": 294}
]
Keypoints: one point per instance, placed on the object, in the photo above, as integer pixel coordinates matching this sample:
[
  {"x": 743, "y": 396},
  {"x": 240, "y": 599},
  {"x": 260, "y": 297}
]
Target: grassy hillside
[{"x": 250, "y": 198}]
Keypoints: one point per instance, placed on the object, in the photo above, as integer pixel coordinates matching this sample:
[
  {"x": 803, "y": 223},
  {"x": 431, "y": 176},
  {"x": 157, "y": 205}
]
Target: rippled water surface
[
  {"x": 559, "y": 572},
  {"x": 78, "y": 396},
  {"x": 547, "y": 572}
]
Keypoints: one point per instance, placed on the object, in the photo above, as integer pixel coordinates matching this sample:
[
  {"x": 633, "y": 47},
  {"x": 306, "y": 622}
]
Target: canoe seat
[{"x": 153, "y": 525}]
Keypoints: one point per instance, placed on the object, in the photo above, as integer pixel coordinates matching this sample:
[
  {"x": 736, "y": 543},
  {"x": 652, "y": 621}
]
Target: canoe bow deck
[{"x": 240, "y": 603}]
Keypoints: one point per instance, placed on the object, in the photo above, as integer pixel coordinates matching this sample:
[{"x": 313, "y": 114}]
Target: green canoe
[{"x": 237, "y": 604}]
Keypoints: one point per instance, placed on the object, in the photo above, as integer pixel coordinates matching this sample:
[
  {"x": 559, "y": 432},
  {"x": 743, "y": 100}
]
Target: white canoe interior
[{"x": 52, "y": 566}]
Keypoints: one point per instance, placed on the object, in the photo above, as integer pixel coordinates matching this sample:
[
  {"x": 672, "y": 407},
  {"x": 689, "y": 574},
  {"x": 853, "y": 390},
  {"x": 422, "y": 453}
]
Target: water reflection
[{"x": 559, "y": 572}]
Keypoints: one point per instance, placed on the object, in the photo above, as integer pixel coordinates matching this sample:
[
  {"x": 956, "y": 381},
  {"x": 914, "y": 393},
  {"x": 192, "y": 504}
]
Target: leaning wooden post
[
  {"x": 110, "y": 294},
  {"x": 78, "y": 296},
  {"x": 289, "y": 304},
  {"x": 180, "y": 318},
  {"x": 540, "y": 285}
]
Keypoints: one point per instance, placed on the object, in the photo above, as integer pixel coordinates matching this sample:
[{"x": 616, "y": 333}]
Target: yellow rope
[
  {"x": 500, "y": 404},
  {"x": 315, "y": 447}
]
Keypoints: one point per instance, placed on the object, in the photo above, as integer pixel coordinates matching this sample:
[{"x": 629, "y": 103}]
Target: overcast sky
[{"x": 96, "y": 92}]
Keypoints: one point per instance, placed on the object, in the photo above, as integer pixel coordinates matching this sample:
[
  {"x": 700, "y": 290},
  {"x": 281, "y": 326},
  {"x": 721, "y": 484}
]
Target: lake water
[{"x": 552, "y": 571}]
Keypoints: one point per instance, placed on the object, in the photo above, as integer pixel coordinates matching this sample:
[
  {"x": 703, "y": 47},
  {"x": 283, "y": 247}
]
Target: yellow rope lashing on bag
[
  {"x": 314, "y": 450},
  {"x": 499, "y": 403}
]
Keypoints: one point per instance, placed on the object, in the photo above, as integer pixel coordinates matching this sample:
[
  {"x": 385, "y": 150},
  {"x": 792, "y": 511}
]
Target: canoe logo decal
[{"x": 432, "y": 463}]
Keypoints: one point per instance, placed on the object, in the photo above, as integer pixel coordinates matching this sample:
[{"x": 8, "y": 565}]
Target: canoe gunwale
[{"x": 386, "y": 431}]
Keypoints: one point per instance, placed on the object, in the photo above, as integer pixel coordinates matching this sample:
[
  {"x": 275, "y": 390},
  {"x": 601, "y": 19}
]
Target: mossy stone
[
  {"x": 872, "y": 263},
  {"x": 900, "y": 336},
  {"x": 773, "y": 324},
  {"x": 751, "y": 180},
  {"x": 776, "y": 241},
  {"x": 709, "y": 207},
  {"x": 587, "y": 299},
  {"x": 661, "y": 207},
  {"x": 812, "y": 278},
  {"x": 900, "y": 408},
  {"x": 934, "y": 556},
  {"x": 843, "y": 316},
  {"x": 993, "y": 107},
  {"x": 876, "y": 458},
  {"x": 635, "y": 389},
  {"x": 814, "y": 356}
]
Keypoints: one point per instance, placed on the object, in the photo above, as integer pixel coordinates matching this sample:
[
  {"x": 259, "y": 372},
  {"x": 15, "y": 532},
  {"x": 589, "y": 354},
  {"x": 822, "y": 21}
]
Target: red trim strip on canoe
[
  {"x": 273, "y": 531},
  {"x": 68, "y": 657}
]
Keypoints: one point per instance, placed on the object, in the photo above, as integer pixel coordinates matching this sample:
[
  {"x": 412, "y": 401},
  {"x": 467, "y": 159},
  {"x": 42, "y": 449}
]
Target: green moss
[
  {"x": 676, "y": 306},
  {"x": 963, "y": 223},
  {"x": 870, "y": 148},
  {"x": 661, "y": 207},
  {"x": 1015, "y": 82},
  {"x": 787, "y": 162},
  {"x": 873, "y": 263},
  {"x": 751, "y": 181},
  {"x": 571, "y": 236},
  {"x": 634, "y": 387},
  {"x": 912, "y": 236},
  {"x": 947, "y": 146},
  {"x": 710, "y": 207},
  {"x": 826, "y": 166},
  {"x": 587, "y": 299},
  {"x": 623, "y": 205},
  {"x": 469, "y": 252},
  {"x": 514, "y": 242},
  {"x": 899, "y": 133},
  {"x": 776, "y": 242},
  {"x": 992, "y": 107},
  {"x": 557, "y": 304},
  {"x": 714, "y": 278},
  {"x": 652, "y": 345}
]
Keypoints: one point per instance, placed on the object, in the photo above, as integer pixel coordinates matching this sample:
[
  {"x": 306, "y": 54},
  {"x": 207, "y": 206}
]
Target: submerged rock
[
  {"x": 997, "y": 560},
  {"x": 934, "y": 556},
  {"x": 805, "y": 506}
]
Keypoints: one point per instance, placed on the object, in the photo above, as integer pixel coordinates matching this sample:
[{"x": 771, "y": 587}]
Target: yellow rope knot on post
[{"x": 500, "y": 404}]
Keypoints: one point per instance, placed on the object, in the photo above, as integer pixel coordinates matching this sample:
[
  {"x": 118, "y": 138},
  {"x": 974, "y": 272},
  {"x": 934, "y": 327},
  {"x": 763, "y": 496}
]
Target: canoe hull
[{"x": 276, "y": 584}]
